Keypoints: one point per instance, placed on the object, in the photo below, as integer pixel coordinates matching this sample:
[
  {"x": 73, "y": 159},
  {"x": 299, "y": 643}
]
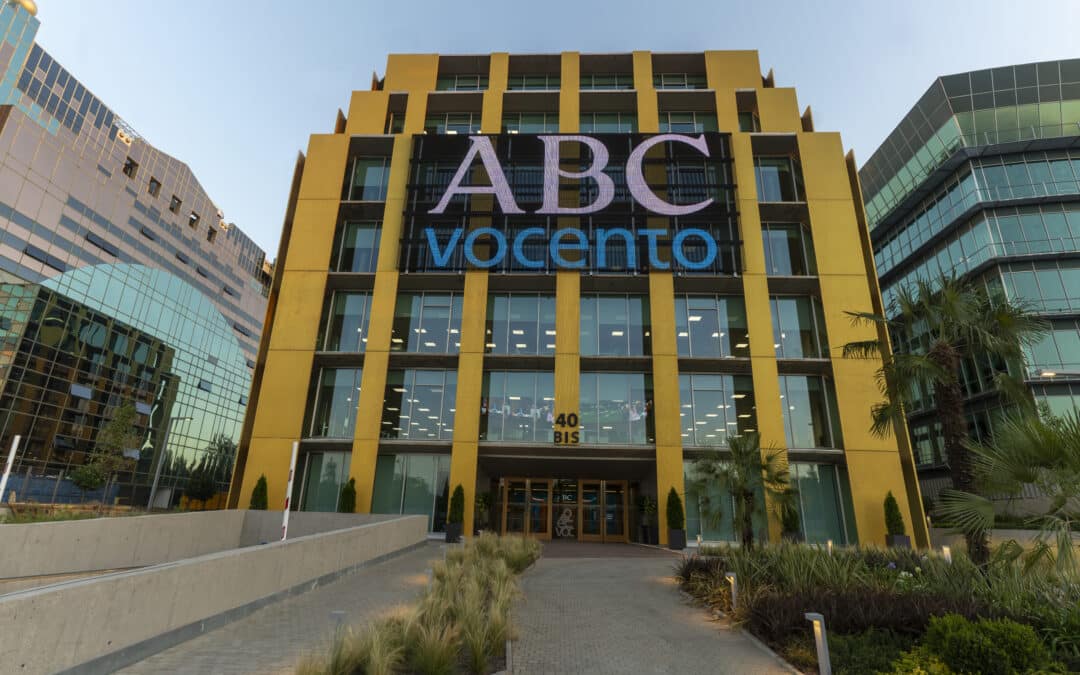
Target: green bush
[
  {"x": 87, "y": 477},
  {"x": 347, "y": 500},
  {"x": 988, "y": 647},
  {"x": 676, "y": 520},
  {"x": 457, "y": 506},
  {"x": 258, "y": 495},
  {"x": 894, "y": 521},
  {"x": 918, "y": 662},
  {"x": 868, "y": 652}
]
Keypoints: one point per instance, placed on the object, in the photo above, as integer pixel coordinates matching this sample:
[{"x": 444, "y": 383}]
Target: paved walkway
[
  {"x": 622, "y": 614},
  {"x": 274, "y": 638}
]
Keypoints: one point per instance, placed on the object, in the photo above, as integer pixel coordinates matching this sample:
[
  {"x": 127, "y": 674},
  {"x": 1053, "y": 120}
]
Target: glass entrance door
[
  {"x": 587, "y": 510},
  {"x": 517, "y": 492},
  {"x": 615, "y": 511},
  {"x": 592, "y": 510},
  {"x": 527, "y": 507}
]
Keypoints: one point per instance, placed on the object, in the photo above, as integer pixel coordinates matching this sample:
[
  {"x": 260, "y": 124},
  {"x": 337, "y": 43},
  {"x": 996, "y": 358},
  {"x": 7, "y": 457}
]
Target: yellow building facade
[{"x": 560, "y": 281}]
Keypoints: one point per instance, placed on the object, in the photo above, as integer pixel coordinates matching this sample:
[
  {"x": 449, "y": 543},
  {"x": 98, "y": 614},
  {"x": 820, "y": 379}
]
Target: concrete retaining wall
[
  {"x": 942, "y": 537},
  {"x": 108, "y": 621},
  {"x": 75, "y": 546}
]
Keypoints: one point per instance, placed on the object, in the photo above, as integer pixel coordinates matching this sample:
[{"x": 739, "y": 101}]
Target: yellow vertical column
[
  {"x": 665, "y": 358},
  {"x": 284, "y": 387},
  {"x": 415, "y": 74},
  {"x": 470, "y": 377},
  {"x": 568, "y": 282},
  {"x": 873, "y": 463}
]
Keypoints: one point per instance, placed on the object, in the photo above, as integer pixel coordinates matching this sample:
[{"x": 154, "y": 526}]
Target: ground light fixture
[
  {"x": 946, "y": 553},
  {"x": 822, "y": 642}
]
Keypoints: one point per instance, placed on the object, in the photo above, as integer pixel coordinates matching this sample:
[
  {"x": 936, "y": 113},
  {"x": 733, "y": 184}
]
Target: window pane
[
  {"x": 819, "y": 497},
  {"x": 327, "y": 472},
  {"x": 346, "y": 325},
  {"x": 420, "y": 486},
  {"x": 809, "y": 408},
  {"x": 358, "y": 248},
  {"x": 335, "y": 403}
]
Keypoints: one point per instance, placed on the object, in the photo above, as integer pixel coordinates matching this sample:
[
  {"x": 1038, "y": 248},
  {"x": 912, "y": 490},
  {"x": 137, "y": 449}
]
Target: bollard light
[
  {"x": 822, "y": 642},
  {"x": 699, "y": 540},
  {"x": 730, "y": 576},
  {"x": 828, "y": 545},
  {"x": 946, "y": 553}
]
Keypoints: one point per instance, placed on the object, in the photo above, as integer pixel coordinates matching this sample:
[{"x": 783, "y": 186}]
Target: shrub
[
  {"x": 347, "y": 500},
  {"x": 258, "y": 495},
  {"x": 676, "y": 520},
  {"x": 989, "y": 647},
  {"x": 919, "y": 662},
  {"x": 87, "y": 477},
  {"x": 894, "y": 520},
  {"x": 869, "y": 652},
  {"x": 457, "y": 506}
]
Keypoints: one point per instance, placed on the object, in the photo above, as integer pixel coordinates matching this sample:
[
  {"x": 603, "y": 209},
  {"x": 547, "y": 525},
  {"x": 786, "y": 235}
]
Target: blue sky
[{"x": 235, "y": 87}]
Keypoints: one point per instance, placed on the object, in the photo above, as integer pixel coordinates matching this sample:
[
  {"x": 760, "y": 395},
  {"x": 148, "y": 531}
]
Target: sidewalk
[
  {"x": 274, "y": 638},
  {"x": 622, "y": 614}
]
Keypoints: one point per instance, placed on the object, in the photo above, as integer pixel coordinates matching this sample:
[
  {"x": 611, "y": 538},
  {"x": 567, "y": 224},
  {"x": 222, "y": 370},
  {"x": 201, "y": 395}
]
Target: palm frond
[
  {"x": 968, "y": 513},
  {"x": 864, "y": 349}
]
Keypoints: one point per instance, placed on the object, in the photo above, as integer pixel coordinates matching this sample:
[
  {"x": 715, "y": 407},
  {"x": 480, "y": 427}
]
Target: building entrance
[{"x": 567, "y": 509}]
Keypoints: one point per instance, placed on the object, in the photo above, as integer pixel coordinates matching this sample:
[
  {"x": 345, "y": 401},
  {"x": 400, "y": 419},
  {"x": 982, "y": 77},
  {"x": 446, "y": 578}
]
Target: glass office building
[
  {"x": 95, "y": 213},
  {"x": 558, "y": 280},
  {"x": 982, "y": 179}
]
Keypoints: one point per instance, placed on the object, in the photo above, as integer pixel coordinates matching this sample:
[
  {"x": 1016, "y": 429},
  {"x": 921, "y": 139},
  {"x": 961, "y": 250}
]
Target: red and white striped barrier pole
[
  {"x": 7, "y": 465},
  {"x": 288, "y": 491}
]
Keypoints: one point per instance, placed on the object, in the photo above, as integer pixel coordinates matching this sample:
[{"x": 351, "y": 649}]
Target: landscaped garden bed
[
  {"x": 897, "y": 610},
  {"x": 460, "y": 624}
]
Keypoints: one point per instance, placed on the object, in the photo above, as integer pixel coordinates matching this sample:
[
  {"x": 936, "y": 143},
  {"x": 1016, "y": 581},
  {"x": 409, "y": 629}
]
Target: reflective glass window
[
  {"x": 615, "y": 325},
  {"x": 346, "y": 322},
  {"x": 517, "y": 406},
  {"x": 711, "y": 326},
  {"x": 370, "y": 176},
  {"x": 461, "y": 83},
  {"x": 591, "y": 81},
  {"x": 809, "y": 407},
  {"x": 427, "y": 322},
  {"x": 520, "y": 324},
  {"x": 824, "y": 503},
  {"x": 616, "y": 409},
  {"x": 337, "y": 396},
  {"x": 798, "y": 328},
  {"x": 687, "y": 122},
  {"x": 789, "y": 250},
  {"x": 779, "y": 179},
  {"x": 532, "y": 82},
  {"x": 531, "y": 123},
  {"x": 357, "y": 248},
  {"x": 416, "y": 484},
  {"x": 714, "y": 408},
  {"x": 323, "y": 476},
  {"x": 419, "y": 405},
  {"x": 608, "y": 123},
  {"x": 453, "y": 123}
]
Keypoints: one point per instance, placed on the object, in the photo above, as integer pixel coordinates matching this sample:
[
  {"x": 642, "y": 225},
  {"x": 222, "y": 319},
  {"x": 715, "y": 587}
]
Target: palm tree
[
  {"x": 747, "y": 473},
  {"x": 942, "y": 322},
  {"x": 1027, "y": 450}
]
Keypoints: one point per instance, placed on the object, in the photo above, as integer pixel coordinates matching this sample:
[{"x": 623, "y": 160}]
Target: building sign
[
  {"x": 606, "y": 202},
  {"x": 566, "y": 429}
]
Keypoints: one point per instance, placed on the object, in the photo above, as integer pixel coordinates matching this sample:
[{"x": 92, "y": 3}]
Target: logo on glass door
[{"x": 564, "y": 527}]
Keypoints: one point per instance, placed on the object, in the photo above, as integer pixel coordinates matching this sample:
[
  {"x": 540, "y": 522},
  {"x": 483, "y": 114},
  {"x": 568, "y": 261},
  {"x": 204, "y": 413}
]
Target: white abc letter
[
  {"x": 480, "y": 145},
  {"x": 552, "y": 173},
  {"x": 635, "y": 179}
]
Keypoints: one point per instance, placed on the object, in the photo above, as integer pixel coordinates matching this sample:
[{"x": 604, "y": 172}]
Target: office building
[
  {"x": 557, "y": 280},
  {"x": 981, "y": 179}
]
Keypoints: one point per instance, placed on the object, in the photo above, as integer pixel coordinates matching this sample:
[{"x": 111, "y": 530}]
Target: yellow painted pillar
[{"x": 665, "y": 376}]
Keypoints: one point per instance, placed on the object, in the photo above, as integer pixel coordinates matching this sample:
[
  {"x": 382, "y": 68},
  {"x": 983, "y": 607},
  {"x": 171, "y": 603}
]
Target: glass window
[
  {"x": 532, "y": 82},
  {"x": 711, "y": 326},
  {"x": 324, "y": 474},
  {"x": 799, "y": 328},
  {"x": 678, "y": 81},
  {"x": 749, "y": 122},
  {"x": 520, "y": 324},
  {"x": 517, "y": 406},
  {"x": 687, "y": 122},
  {"x": 453, "y": 123},
  {"x": 616, "y": 409},
  {"x": 337, "y": 396},
  {"x": 346, "y": 322},
  {"x": 824, "y": 502},
  {"x": 615, "y": 325},
  {"x": 715, "y": 408},
  {"x": 427, "y": 322},
  {"x": 419, "y": 405},
  {"x": 413, "y": 484},
  {"x": 608, "y": 123},
  {"x": 809, "y": 406},
  {"x": 779, "y": 179},
  {"x": 591, "y": 81},
  {"x": 531, "y": 123},
  {"x": 357, "y": 249},
  {"x": 789, "y": 250},
  {"x": 370, "y": 176},
  {"x": 461, "y": 83}
]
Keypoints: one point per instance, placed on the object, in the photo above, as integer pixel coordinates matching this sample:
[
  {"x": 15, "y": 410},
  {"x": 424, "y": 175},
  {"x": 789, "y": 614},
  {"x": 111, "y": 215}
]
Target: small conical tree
[
  {"x": 258, "y": 495},
  {"x": 894, "y": 520},
  {"x": 457, "y": 506},
  {"x": 676, "y": 519},
  {"x": 347, "y": 500}
]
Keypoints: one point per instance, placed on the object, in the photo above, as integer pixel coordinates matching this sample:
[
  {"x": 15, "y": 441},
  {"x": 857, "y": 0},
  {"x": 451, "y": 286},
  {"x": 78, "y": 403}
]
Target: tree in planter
[
  {"x": 87, "y": 477},
  {"x": 940, "y": 323},
  {"x": 676, "y": 520},
  {"x": 347, "y": 499},
  {"x": 456, "y": 516},
  {"x": 894, "y": 520},
  {"x": 116, "y": 437},
  {"x": 259, "y": 496},
  {"x": 1043, "y": 452},
  {"x": 483, "y": 508},
  {"x": 748, "y": 473}
]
